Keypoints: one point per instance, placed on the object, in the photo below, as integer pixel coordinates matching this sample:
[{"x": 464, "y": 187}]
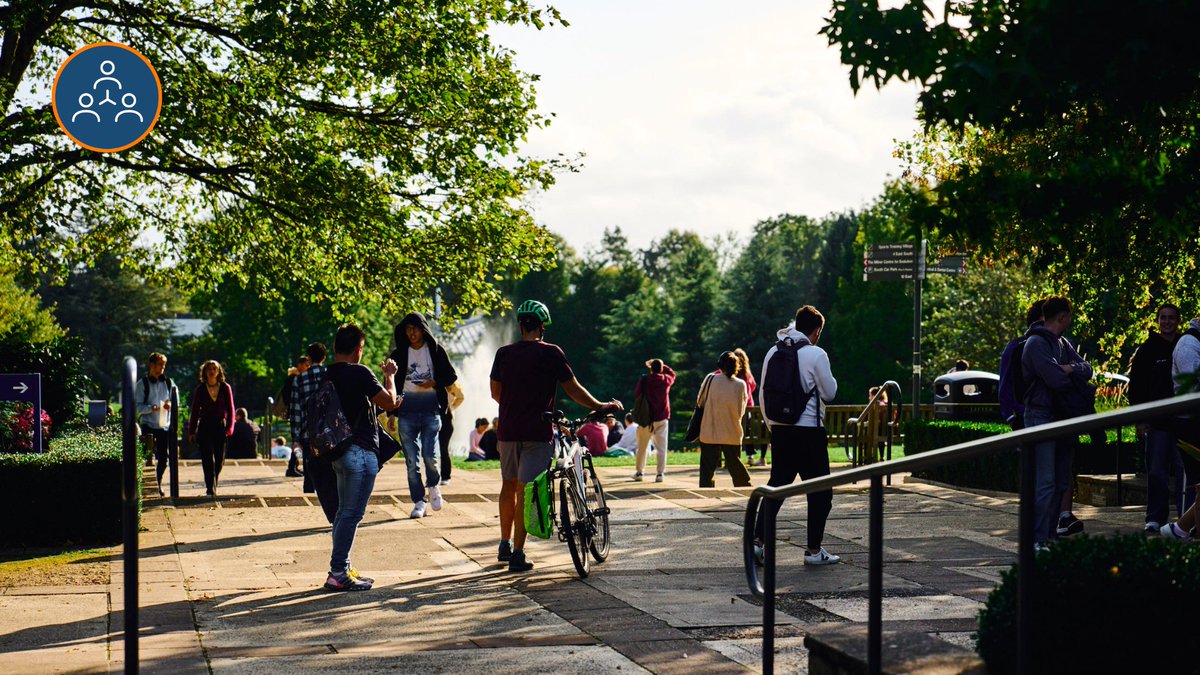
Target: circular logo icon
[{"x": 107, "y": 97}]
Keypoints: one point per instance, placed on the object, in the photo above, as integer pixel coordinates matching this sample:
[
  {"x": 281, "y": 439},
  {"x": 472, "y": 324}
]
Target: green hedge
[
  {"x": 70, "y": 494},
  {"x": 1102, "y": 605},
  {"x": 1001, "y": 471},
  {"x": 61, "y": 364}
]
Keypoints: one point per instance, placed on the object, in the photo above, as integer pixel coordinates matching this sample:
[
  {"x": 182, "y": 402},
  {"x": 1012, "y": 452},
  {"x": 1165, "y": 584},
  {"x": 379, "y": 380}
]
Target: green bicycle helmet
[{"x": 536, "y": 309}]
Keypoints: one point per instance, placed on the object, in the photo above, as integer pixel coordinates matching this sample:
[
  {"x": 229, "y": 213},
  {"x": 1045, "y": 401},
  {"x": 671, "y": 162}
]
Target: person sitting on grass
[{"x": 476, "y": 453}]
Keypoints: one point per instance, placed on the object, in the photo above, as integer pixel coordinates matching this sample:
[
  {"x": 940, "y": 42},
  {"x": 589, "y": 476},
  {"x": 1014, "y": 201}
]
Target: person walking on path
[
  {"x": 154, "y": 412},
  {"x": 1150, "y": 380},
  {"x": 211, "y": 421},
  {"x": 800, "y": 446},
  {"x": 318, "y": 475},
  {"x": 723, "y": 398},
  {"x": 454, "y": 398},
  {"x": 1050, "y": 367},
  {"x": 427, "y": 372},
  {"x": 655, "y": 386},
  {"x": 524, "y": 379},
  {"x": 358, "y": 392}
]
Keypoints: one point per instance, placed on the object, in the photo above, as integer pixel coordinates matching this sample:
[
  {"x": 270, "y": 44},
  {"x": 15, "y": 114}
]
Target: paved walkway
[{"x": 233, "y": 585}]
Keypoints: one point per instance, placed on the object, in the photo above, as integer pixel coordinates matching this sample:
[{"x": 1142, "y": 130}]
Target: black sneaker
[
  {"x": 1069, "y": 525},
  {"x": 519, "y": 562},
  {"x": 505, "y": 552}
]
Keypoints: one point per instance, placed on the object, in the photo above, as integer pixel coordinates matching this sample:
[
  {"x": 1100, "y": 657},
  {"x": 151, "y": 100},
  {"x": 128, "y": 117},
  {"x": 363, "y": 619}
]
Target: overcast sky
[{"x": 702, "y": 115}]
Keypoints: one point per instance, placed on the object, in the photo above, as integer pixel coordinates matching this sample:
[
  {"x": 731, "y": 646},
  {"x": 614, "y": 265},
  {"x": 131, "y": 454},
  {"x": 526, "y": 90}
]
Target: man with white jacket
[{"x": 801, "y": 447}]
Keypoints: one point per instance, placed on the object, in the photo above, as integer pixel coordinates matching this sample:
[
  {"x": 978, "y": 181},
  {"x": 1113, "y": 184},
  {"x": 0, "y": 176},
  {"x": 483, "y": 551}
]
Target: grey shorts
[{"x": 522, "y": 461}]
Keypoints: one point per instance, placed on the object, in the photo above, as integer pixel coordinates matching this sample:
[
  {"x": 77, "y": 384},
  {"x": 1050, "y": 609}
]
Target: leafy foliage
[
  {"x": 1079, "y": 583},
  {"x": 1062, "y": 135},
  {"x": 345, "y": 151},
  {"x": 116, "y": 313},
  {"x": 22, "y": 317}
]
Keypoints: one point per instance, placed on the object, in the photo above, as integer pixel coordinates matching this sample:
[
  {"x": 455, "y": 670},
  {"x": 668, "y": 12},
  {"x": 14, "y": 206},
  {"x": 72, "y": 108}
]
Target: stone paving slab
[{"x": 233, "y": 584}]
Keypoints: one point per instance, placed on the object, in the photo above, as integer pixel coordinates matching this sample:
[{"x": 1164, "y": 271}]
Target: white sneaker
[
  {"x": 1151, "y": 529},
  {"x": 445, "y": 481},
  {"x": 435, "y": 498},
  {"x": 1173, "y": 531},
  {"x": 658, "y": 478},
  {"x": 638, "y": 476},
  {"x": 418, "y": 510},
  {"x": 821, "y": 557}
]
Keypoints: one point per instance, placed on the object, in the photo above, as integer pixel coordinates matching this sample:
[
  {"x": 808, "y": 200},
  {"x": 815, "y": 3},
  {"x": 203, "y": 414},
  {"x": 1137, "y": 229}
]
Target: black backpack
[
  {"x": 782, "y": 392},
  {"x": 325, "y": 424},
  {"x": 1016, "y": 375}
]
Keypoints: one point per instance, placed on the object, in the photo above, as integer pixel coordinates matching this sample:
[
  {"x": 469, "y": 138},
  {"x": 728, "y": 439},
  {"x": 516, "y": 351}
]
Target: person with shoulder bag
[{"x": 722, "y": 399}]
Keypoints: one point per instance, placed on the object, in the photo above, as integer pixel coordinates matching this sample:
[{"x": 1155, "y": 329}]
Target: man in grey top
[
  {"x": 153, "y": 395},
  {"x": 1049, "y": 364}
]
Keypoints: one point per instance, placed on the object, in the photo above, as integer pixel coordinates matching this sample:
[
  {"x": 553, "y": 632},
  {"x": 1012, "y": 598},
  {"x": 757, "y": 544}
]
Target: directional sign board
[
  {"x": 25, "y": 387},
  {"x": 901, "y": 260},
  {"x": 955, "y": 264}
]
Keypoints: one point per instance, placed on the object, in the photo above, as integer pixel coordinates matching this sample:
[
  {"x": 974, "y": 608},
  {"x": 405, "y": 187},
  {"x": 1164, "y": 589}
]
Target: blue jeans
[
  {"x": 1052, "y": 465},
  {"x": 356, "y": 470},
  {"x": 419, "y": 435},
  {"x": 1161, "y": 458}
]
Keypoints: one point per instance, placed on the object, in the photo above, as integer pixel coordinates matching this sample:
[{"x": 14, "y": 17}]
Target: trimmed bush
[
  {"x": 70, "y": 494},
  {"x": 1103, "y": 605},
  {"x": 1001, "y": 471}
]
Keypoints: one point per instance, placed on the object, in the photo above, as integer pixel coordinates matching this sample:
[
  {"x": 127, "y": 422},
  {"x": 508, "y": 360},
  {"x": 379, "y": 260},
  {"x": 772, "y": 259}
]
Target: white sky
[{"x": 702, "y": 115}]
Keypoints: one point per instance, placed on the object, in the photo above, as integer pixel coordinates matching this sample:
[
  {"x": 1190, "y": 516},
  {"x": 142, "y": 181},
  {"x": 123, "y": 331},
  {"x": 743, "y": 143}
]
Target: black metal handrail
[{"x": 875, "y": 473}]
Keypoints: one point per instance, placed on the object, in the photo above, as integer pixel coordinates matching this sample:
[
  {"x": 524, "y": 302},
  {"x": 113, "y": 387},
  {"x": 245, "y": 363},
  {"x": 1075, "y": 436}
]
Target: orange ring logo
[{"x": 106, "y": 97}]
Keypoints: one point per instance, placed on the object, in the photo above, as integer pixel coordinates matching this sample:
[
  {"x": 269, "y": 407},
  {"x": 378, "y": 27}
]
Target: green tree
[
  {"x": 1065, "y": 137},
  {"x": 344, "y": 151},
  {"x": 22, "y": 317},
  {"x": 638, "y": 328},
  {"x": 686, "y": 270},
  {"x": 116, "y": 313},
  {"x": 790, "y": 261}
]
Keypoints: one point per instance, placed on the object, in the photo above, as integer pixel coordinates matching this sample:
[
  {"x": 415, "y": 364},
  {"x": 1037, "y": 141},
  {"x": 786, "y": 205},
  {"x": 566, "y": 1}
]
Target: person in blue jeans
[
  {"x": 427, "y": 373},
  {"x": 355, "y": 468},
  {"x": 1048, "y": 365}
]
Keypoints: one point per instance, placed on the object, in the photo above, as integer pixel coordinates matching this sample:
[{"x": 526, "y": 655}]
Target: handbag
[
  {"x": 538, "y": 521},
  {"x": 693, "y": 430},
  {"x": 389, "y": 445},
  {"x": 641, "y": 408}
]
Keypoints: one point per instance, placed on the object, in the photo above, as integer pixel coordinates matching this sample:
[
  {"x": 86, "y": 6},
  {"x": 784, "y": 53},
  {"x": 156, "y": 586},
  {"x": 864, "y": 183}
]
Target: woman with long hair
[
  {"x": 211, "y": 421},
  {"x": 723, "y": 398}
]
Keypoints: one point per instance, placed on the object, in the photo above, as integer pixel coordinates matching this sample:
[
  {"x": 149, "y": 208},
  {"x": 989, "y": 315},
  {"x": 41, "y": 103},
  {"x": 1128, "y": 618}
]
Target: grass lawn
[
  {"x": 836, "y": 455},
  {"x": 82, "y": 567}
]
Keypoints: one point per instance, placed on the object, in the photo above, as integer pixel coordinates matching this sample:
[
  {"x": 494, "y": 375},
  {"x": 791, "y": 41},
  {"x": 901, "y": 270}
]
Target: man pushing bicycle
[{"x": 524, "y": 379}]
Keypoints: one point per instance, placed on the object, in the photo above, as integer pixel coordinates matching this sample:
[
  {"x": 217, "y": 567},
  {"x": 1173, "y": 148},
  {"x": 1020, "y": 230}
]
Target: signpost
[
  {"x": 26, "y": 387},
  {"x": 903, "y": 261}
]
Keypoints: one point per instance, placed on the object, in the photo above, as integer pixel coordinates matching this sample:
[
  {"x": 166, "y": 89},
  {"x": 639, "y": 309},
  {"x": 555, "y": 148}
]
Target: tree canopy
[
  {"x": 1060, "y": 133},
  {"x": 343, "y": 150}
]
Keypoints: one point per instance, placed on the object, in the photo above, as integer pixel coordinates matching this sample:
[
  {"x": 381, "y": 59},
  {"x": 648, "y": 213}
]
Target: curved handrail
[
  {"x": 1028, "y": 437},
  {"x": 853, "y": 421}
]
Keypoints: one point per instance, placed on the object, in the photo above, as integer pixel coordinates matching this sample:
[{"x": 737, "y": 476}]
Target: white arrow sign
[{"x": 21, "y": 389}]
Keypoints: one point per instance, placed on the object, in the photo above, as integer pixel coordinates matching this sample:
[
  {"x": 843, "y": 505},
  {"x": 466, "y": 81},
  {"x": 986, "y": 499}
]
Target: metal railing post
[
  {"x": 875, "y": 580},
  {"x": 1120, "y": 501},
  {"x": 129, "y": 512},
  {"x": 1026, "y": 572},
  {"x": 768, "y": 544},
  {"x": 173, "y": 443}
]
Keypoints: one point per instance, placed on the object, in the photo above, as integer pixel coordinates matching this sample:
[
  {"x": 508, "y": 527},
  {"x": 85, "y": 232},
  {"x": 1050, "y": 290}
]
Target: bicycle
[{"x": 581, "y": 518}]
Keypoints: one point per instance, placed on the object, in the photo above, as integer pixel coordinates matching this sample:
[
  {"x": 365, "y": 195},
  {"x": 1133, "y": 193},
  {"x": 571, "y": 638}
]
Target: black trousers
[
  {"x": 803, "y": 452},
  {"x": 158, "y": 441},
  {"x": 210, "y": 437},
  {"x": 444, "y": 443}
]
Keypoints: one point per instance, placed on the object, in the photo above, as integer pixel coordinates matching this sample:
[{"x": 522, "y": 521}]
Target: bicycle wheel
[
  {"x": 597, "y": 506},
  {"x": 574, "y": 527}
]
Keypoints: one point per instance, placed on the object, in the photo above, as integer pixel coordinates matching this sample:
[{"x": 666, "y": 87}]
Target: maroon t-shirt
[{"x": 528, "y": 373}]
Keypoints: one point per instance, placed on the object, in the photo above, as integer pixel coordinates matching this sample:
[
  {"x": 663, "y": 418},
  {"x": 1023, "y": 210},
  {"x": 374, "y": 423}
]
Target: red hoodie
[{"x": 657, "y": 389}]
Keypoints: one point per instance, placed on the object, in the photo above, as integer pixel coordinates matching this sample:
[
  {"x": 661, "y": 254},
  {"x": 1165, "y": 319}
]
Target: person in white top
[
  {"x": 628, "y": 440},
  {"x": 800, "y": 446}
]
